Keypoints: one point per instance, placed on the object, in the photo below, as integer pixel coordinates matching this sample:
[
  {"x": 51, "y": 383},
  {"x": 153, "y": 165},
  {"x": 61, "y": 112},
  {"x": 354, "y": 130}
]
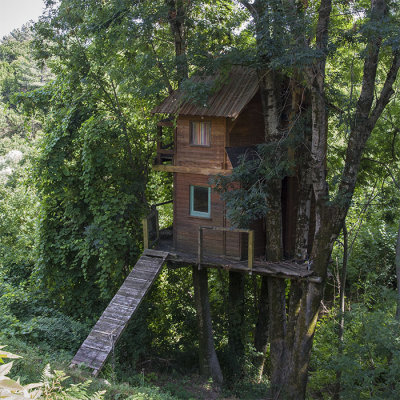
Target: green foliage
[
  {"x": 91, "y": 206},
  {"x": 18, "y": 207},
  {"x": 67, "y": 243},
  {"x": 19, "y": 73},
  {"x": 246, "y": 190},
  {"x": 172, "y": 318},
  {"x": 369, "y": 362},
  {"x": 51, "y": 386},
  {"x": 151, "y": 394},
  {"x": 24, "y": 314}
]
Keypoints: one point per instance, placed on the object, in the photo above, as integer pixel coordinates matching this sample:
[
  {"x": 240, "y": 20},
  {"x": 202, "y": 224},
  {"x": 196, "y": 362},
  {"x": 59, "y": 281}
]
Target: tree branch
[
  {"x": 162, "y": 69},
  {"x": 321, "y": 34},
  {"x": 363, "y": 124},
  {"x": 316, "y": 74},
  {"x": 387, "y": 90},
  {"x": 251, "y": 8}
]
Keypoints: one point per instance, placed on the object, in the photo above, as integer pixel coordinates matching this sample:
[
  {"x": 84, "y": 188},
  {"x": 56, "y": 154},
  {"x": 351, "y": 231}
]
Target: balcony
[{"x": 165, "y": 143}]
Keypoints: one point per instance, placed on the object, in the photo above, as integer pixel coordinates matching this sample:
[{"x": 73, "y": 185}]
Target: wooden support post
[
  {"x": 157, "y": 224},
  {"x": 199, "y": 247},
  {"x": 159, "y": 144},
  {"x": 250, "y": 251},
  {"x": 145, "y": 224}
]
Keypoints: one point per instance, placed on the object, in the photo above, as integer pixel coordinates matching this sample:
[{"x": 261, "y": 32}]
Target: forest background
[{"x": 76, "y": 143}]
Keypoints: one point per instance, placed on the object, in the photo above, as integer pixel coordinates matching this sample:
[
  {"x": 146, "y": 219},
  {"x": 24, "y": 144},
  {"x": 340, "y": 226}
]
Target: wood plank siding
[
  {"x": 188, "y": 155},
  {"x": 186, "y": 227},
  {"x": 248, "y": 128}
]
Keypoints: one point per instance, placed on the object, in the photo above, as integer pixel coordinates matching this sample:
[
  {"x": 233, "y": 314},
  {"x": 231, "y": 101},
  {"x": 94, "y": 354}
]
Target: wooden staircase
[{"x": 101, "y": 340}]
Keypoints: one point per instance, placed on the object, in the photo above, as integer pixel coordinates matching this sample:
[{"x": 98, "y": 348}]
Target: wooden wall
[
  {"x": 186, "y": 227},
  {"x": 200, "y": 156},
  {"x": 248, "y": 128}
]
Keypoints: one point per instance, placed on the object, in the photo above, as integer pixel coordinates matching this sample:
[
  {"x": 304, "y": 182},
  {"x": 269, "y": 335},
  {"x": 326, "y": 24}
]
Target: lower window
[{"x": 200, "y": 201}]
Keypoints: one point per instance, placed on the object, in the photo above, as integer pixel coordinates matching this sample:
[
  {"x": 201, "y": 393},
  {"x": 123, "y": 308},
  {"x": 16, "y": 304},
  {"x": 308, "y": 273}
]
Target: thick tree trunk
[
  {"x": 302, "y": 160},
  {"x": 270, "y": 97},
  {"x": 292, "y": 330},
  {"x": 236, "y": 310},
  {"x": 276, "y": 288},
  {"x": 297, "y": 374},
  {"x": 270, "y": 91},
  {"x": 208, "y": 360}
]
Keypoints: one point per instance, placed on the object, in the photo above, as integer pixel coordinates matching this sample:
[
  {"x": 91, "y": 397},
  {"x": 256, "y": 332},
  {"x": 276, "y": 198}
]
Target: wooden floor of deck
[{"x": 287, "y": 269}]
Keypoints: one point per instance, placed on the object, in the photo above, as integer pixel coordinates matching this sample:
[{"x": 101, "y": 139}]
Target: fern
[{"x": 50, "y": 388}]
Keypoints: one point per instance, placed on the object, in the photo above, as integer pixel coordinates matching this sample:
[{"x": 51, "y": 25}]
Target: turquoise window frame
[{"x": 195, "y": 213}]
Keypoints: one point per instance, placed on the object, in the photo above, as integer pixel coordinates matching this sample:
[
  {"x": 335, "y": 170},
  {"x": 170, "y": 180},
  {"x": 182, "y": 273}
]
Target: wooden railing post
[
  {"x": 155, "y": 211},
  {"x": 145, "y": 224},
  {"x": 250, "y": 251}
]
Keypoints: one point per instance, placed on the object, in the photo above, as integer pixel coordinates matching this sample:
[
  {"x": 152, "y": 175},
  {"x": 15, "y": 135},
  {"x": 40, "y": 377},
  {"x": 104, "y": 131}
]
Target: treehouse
[
  {"x": 210, "y": 140},
  {"x": 205, "y": 141}
]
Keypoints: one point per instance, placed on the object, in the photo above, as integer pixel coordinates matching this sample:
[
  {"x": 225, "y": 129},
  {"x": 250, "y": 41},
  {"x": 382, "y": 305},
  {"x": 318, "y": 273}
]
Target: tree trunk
[
  {"x": 176, "y": 19},
  {"x": 398, "y": 274},
  {"x": 208, "y": 360},
  {"x": 236, "y": 310},
  {"x": 278, "y": 330},
  {"x": 342, "y": 289},
  {"x": 262, "y": 327}
]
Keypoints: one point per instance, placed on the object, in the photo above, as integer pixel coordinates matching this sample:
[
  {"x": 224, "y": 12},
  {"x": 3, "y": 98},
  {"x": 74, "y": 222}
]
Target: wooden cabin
[{"x": 207, "y": 140}]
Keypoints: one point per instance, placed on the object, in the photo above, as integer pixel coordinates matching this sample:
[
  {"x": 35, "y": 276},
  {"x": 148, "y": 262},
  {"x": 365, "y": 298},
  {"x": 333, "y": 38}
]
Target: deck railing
[{"x": 250, "y": 250}]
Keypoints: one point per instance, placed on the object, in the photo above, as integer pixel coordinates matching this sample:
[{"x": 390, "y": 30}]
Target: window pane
[
  {"x": 200, "y": 199},
  {"x": 200, "y": 133}
]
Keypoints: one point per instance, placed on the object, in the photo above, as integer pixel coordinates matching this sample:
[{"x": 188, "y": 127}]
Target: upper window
[
  {"x": 200, "y": 133},
  {"x": 200, "y": 201}
]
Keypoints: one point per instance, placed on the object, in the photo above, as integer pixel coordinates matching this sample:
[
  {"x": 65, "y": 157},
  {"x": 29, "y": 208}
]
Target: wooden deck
[
  {"x": 101, "y": 340},
  {"x": 288, "y": 269}
]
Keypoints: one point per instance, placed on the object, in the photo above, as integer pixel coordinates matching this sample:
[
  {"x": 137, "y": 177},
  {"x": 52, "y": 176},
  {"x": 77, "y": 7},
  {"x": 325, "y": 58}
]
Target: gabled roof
[{"x": 228, "y": 101}]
